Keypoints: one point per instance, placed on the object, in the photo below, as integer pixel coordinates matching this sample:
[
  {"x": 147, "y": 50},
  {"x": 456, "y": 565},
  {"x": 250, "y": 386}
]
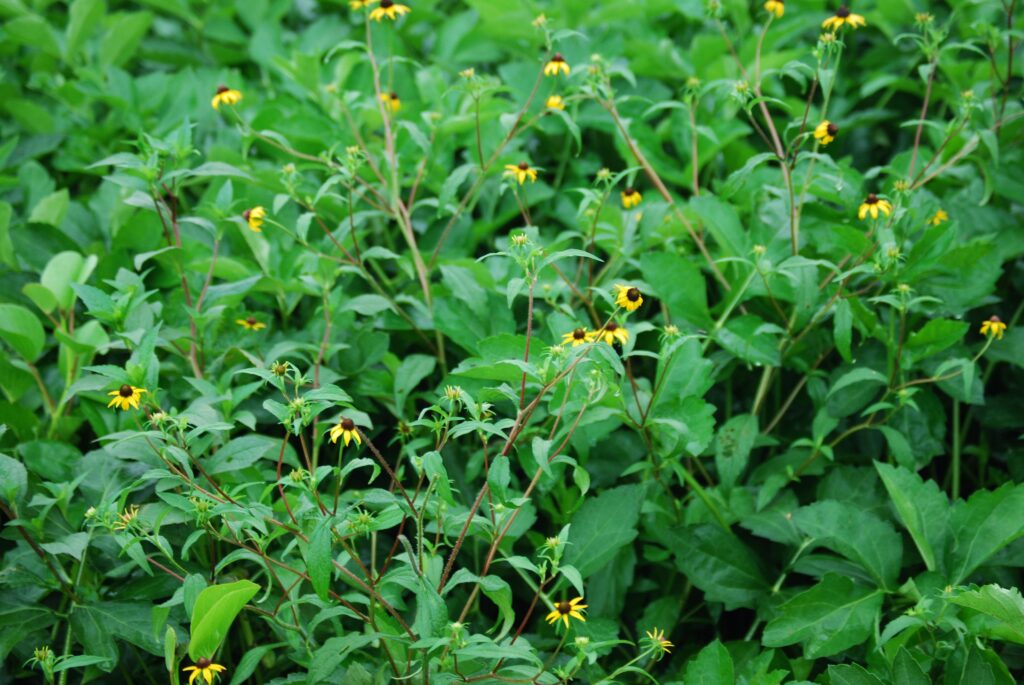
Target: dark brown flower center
[
  {"x": 251, "y": 320},
  {"x": 633, "y": 294},
  {"x": 386, "y": 3},
  {"x": 629, "y": 191},
  {"x": 523, "y": 166},
  {"x": 203, "y": 662},
  {"x": 833, "y": 129},
  {"x": 558, "y": 57},
  {"x": 394, "y": 95},
  {"x": 872, "y": 199},
  {"x": 579, "y": 334},
  {"x": 222, "y": 89},
  {"x": 564, "y": 607},
  {"x": 612, "y": 327},
  {"x": 125, "y": 391},
  {"x": 843, "y": 12},
  {"x": 348, "y": 424},
  {"x": 996, "y": 319},
  {"x": 246, "y": 213}
]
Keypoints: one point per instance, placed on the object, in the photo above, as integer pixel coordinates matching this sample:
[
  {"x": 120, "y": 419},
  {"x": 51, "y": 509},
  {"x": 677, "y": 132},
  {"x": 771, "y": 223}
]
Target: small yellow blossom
[
  {"x": 556, "y": 65},
  {"x": 630, "y": 197},
  {"x": 938, "y": 217},
  {"x": 391, "y": 101},
  {"x": 628, "y": 297},
  {"x": 564, "y": 609},
  {"x": 993, "y": 328},
  {"x": 205, "y": 668},
  {"x": 776, "y": 7},
  {"x": 126, "y": 397},
  {"x": 468, "y": 73},
  {"x": 659, "y": 641},
  {"x": 521, "y": 172},
  {"x": 346, "y": 429},
  {"x": 873, "y": 205},
  {"x": 555, "y": 102},
  {"x": 520, "y": 239},
  {"x": 578, "y": 336},
  {"x": 826, "y": 132},
  {"x": 226, "y": 96},
  {"x": 540, "y": 20},
  {"x": 613, "y": 333},
  {"x": 250, "y": 323},
  {"x": 923, "y": 18},
  {"x": 254, "y": 218},
  {"x": 126, "y": 518},
  {"x": 842, "y": 16},
  {"x": 390, "y": 9}
]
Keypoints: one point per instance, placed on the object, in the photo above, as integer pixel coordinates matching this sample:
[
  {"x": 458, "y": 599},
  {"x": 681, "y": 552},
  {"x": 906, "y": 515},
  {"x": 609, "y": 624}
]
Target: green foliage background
[{"x": 804, "y": 465}]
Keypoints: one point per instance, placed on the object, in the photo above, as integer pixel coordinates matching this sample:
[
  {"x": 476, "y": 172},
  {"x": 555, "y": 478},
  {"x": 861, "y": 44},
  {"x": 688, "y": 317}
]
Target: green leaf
[
  {"x": 732, "y": 448},
  {"x": 921, "y": 507},
  {"x": 329, "y": 656},
  {"x": 13, "y": 479},
  {"x": 215, "y": 611},
  {"x": 982, "y": 526},
  {"x": 6, "y": 246},
  {"x": 842, "y": 322},
  {"x": 602, "y": 526},
  {"x": 712, "y": 666},
  {"x": 64, "y": 270},
  {"x": 431, "y": 613},
  {"x": 751, "y": 339},
  {"x": 906, "y": 671},
  {"x": 826, "y": 619},
  {"x": 20, "y": 329},
  {"x": 935, "y": 336},
  {"x": 51, "y": 209},
  {"x": 410, "y": 372},
  {"x": 722, "y": 222},
  {"x": 319, "y": 558},
  {"x": 679, "y": 284},
  {"x": 859, "y": 375},
  {"x": 852, "y": 674},
  {"x": 123, "y": 37},
  {"x": 83, "y": 18},
  {"x": 1004, "y": 606},
  {"x": 718, "y": 563}
]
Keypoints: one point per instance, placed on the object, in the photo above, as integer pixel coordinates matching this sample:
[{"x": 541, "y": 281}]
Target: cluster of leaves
[{"x": 457, "y": 346}]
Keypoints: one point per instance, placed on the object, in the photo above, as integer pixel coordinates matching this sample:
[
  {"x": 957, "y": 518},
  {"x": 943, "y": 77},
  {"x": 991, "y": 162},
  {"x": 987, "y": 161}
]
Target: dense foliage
[{"x": 511, "y": 342}]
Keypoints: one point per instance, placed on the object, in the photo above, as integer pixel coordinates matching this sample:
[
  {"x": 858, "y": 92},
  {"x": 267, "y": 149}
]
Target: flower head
[
  {"x": 250, "y": 323},
  {"x": 659, "y": 642},
  {"x": 391, "y": 101},
  {"x": 521, "y": 172},
  {"x": 630, "y": 197},
  {"x": 226, "y": 96},
  {"x": 127, "y": 397},
  {"x": 520, "y": 239},
  {"x": 564, "y": 609},
  {"x": 993, "y": 328},
  {"x": 613, "y": 333},
  {"x": 938, "y": 217},
  {"x": 360, "y": 4},
  {"x": 842, "y": 16},
  {"x": 556, "y": 65},
  {"x": 826, "y": 132},
  {"x": 555, "y": 102},
  {"x": 539, "y": 20},
  {"x": 776, "y": 7},
  {"x": 126, "y": 517},
  {"x": 390, "y": 9},
  {"x": 628, "y": 297},
  {"x": 873, "y": 205},
  {"x": 577, "y": 336},
  {"x": 254, "y": 218},
  {"x": 205, "y": 668},
  {"x": 346, "y": 428}
]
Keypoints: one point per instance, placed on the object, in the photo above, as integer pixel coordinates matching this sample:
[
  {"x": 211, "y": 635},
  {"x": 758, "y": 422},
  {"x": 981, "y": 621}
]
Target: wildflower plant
[{"x": 373, "y": 342}]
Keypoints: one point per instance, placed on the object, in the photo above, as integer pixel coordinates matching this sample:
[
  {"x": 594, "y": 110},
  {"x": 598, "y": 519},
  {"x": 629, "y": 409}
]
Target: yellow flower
[
  {"x": 613, "y": 333},
  {"x": 346, "y": 429},
  {"x": 776, "y": 7},
  {"x": 578, "y": 336},
  {"x": 539, "y": 20},
  {"x": 993, "y": 328},
  {"x": 127, "y": 397},
  {"x": 389, "y": 9},
  {"x": 360, "y": 4},
  {"x": 826, "y": 132},
  {"x": 468, "y": 73},
  {"x": 556, "y": 65},
  {"x": 254, "y": 217},
  {"x": 938, "y": 217},
  {"x": 842, "y": 16},
  {"x": 226, "y": 96},
  {"x": 630, "y": 198},
  {"x": 563, "y": 610},
  {"x": 521, "y": 172},
  {"x": 250, "y": 323},
  {"x": 660, "y": 642},
  {"x": 206, "y": 668},
  {"x": 391, "y": 101},
  {"x": 873, "y": 205},
  {"x": 555, "y": 102},
  {"x": 125, "y": 518},
  {"x": 628, "y": 297}
]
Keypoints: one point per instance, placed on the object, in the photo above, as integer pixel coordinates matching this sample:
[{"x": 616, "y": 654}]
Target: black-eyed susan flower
[
  {"x": 555, "y": 102},
  {"x": 776, "y": 7},
  {"x": 126, "y": 518},
  {"x": 826, "y": 132},
  {"x": 564, "y": 609},
  {"x": 556, "y": 65},
  {"x": 659, "y": 643},
  {"x": 628, "y": 297},
  {"x": 993, "y": 328},
  {"x": 873, "y": 205},
  {"x": 226, "y": 96},
  {"x": 251, "y": 323},
  {"x": 254, "y": 218},
  {"x": 613, "y": 333},
  {"x": 127, "y": 397},
  {"x": 391, "y": 101},
  {"x": 577, "y": 336},
  {"x": 206, "y": 668},
  {"x": 346, "y": 429},
  {"x": 630, "y": 198},
  {"x": 390, "y": 9},
  {"x": 521, "y": 172},
  {"x": 938, "y": 217},
  {"x": 842, "y": 16}
]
